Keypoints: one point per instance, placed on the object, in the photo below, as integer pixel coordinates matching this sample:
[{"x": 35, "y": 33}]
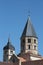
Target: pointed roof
[
  {"x": 9, "y": 45},
  {"x": 14, "y": 58},
  {"x": 29, "y": 29}
]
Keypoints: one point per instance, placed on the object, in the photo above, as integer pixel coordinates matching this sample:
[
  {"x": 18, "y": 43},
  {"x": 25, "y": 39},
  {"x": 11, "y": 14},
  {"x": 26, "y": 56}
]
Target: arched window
[
  {"x": 28, "y": 46},
  {"x": 34, "y": 40},
  {"x": 29, "y": 40},
  {"x": 34, "y": 47}
]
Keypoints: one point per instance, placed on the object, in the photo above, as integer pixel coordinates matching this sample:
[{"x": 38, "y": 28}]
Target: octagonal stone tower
[
  {"x": 8, "y": 51},
  {"x": 29, "y": 40}
]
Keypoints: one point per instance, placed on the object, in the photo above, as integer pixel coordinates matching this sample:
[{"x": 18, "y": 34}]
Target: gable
[{"x": 14, "y": 58}]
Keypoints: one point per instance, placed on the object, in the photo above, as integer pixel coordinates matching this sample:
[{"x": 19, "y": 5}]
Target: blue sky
[{"x": 13, "y": 17}]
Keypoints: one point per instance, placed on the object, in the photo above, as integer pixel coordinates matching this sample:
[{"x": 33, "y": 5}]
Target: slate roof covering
[
  {"x": 29, "y": 29},
  {"x": 9, "y": 46},
  {"x": 14, "y": 58}
]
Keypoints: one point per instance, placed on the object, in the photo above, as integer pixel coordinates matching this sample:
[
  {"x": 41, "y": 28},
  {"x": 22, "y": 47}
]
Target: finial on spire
[
  {"x": 9, "y": 38},
  {"x": 29, "y": 14}
]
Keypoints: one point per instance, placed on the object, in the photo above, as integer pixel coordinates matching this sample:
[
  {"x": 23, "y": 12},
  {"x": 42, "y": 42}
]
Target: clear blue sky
[{"x": 13, "y": 17}]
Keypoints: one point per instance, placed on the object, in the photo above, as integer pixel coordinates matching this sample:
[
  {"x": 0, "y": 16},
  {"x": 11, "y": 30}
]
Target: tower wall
[
  {"x": 29, "y": 41},
  {"x": 7, "y": 54}
]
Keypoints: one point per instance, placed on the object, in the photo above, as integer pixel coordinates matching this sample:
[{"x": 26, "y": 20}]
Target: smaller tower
[{"x": 8, "y": 51}]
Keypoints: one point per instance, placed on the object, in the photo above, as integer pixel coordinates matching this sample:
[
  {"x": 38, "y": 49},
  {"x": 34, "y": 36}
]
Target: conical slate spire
[
  {"x": 29, "y": 29},
  {"x": 9, "y": 45}
]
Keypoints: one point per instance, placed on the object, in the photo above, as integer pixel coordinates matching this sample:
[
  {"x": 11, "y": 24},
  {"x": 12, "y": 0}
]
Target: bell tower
[
  {"x": 29, "y": 40},
  {"x": 8, "y": 51}
]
